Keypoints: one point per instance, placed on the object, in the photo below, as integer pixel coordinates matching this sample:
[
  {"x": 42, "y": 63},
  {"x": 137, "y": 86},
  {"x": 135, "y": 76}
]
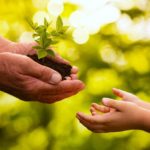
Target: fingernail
[
  {"x": 105, "y": 101},
  {"x": 55, "y": 78}
]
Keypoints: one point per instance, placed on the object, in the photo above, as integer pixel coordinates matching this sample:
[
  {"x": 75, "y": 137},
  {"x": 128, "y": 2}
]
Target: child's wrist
[{"x": 144, "y": 120}]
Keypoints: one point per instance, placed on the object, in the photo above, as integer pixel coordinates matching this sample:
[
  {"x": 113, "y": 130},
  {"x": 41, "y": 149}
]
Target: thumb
[
  {"x": 42, "y": 72},
  {"x": 113, "y": 103}
]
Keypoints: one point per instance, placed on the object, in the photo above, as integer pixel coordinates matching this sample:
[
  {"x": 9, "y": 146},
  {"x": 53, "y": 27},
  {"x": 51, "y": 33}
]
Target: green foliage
[{"x": 45, "y": 38}]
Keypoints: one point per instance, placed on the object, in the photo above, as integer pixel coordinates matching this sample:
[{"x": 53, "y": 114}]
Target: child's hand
[
  {"x": 126, "y": 116},
  {"x": 131, "y": 98}
]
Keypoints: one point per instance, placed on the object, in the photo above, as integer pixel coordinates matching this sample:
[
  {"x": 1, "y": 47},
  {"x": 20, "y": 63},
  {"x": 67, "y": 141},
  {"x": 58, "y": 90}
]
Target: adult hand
[
  {"x": 30, "y": 81},
  {"x": 26, "y": 49}
]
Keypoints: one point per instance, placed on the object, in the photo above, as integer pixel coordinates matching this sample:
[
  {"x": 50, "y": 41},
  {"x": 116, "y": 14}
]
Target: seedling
[{"x": 45, "y": 36}]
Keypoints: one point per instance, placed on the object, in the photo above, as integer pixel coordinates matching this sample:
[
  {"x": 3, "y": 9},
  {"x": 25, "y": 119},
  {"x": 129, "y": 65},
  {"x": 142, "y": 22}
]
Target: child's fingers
[
  {"x": 88, "y": 118},
  {"x": 118, "y": 105},
  {"x": 91, "y": 126},
  {"x": 96, "y": 119},
  {"x": 101, "y": 108},
  {"x": 88, "y": 126},
  {"x": 86, "y": 123},
  {"x": 93, "y": 111},
  {"x": 118, "y": 92},
  {"x": 125, "y": 95}
]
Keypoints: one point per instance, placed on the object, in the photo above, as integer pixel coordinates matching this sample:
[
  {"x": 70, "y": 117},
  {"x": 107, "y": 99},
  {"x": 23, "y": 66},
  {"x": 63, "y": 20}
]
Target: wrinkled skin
[{"x": 22, "y": 77}]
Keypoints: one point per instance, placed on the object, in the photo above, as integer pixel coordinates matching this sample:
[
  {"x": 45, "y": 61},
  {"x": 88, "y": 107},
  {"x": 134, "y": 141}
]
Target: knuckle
[
  {"x": 25, "y": 61},
  {"x": 43, "y": 72}
]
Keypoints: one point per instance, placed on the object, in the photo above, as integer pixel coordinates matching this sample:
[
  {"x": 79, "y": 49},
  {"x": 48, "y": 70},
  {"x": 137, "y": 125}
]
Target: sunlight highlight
[
  {"x": 39, "y": 17},
  {"x": 26, "y": 37},
  {"x": 55, "y": 7},
  {"x": 98, "y": 18},
  {"x": 80, "y": 35}
]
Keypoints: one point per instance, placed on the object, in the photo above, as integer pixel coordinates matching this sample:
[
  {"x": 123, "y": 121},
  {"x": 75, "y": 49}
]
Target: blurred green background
[{"x": 109, "y": 40}]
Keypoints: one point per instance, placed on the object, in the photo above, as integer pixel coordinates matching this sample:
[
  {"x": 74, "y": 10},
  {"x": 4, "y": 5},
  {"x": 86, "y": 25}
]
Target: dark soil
[{"x": 63, "y": 69}]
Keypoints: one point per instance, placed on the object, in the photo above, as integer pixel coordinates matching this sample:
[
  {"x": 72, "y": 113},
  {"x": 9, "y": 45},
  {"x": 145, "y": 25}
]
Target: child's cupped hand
[{"x": 115, "y": 115}]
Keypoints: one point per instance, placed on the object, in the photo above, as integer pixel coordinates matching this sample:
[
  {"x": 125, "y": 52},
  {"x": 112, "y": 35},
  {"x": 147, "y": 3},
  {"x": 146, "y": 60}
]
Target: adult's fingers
[
  {"x": 63, "y": 87},
  {"x": 57, "y": 58},
  {"x": 74, "y": 70},
  {"x": 41, "y": 72},
  {"x": 61, "y": 60},
  {"x": 55, "y": 98},
  {"x": 74, "y": 77},
  {"x": 27, "y": 48},
  {"x": 28, "y": 67}
]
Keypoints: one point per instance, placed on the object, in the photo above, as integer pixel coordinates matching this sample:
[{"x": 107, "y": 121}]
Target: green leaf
[
  {"x": 47, "y": 43},
  {"x": 54, "y": 33},
  {"x": 35, "y": 35},
  {"x": 46, "y": 24},
  {"x": 50, "y": 52},
  {"x": 37, "y": 47},
  {"x": 43, "y": 38},
  {"x": 40, "y": 29},
  {"x": 65, "y": 28},
  {"x": 38, "y": 41},
  {"x": 46, "y": 38},
  {"x": 42, "y": 54},
  {"x": 30, "y": 22},
  {"x": 59, "y": 24}
]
